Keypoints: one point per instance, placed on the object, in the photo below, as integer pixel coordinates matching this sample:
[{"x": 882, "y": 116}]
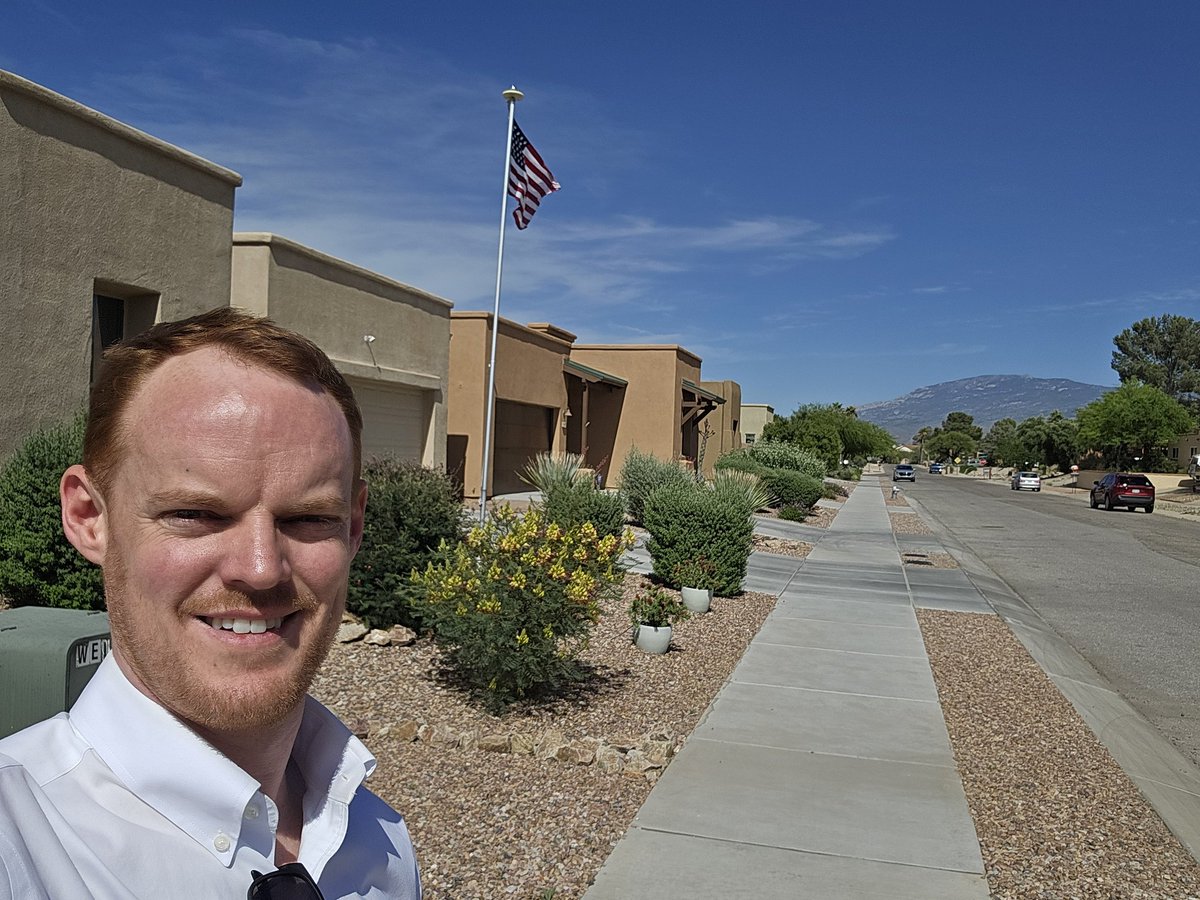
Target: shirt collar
[{"x": 190, "y": 782}]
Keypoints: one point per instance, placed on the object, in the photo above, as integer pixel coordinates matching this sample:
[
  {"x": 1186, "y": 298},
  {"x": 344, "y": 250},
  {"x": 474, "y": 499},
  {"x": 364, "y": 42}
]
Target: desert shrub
[
  {"x": 694, "y": 573},
  {"x": 739, "y": 461},
  {"x": 550, "y": 472},
  {"x": 410, "y": 511},
  {"x": 571, "y": 500},
  {"x": 782, "y": 455},
  {"x": 741, "y": 489},
  {"x": 848, "y": 473},
  {"x": 832, "y": 491},
  {"x": 581, "y": 502},
  {"x": 690, "y": 521},
  {"x": 794, "y": 512},
  {"x": 791, "y": 487},
  {"x": 38, "y": 565},
  {"x": 514, "y": 603},
  {"x": 642, "y": 474}
]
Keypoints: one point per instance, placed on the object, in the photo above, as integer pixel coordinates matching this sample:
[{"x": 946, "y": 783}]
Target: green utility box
[{"x": 46, "y": 658}]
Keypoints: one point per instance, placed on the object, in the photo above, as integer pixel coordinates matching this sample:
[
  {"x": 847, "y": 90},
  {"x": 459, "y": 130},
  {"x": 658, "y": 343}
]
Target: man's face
[{"x": 230, "y": 525}]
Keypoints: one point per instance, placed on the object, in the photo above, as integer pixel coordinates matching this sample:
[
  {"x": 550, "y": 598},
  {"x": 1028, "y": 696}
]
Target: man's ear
[{"x": 84, "y": 514}]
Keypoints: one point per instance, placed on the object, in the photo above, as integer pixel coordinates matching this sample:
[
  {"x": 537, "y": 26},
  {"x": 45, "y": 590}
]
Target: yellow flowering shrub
[{"x": 513, "y": 604}]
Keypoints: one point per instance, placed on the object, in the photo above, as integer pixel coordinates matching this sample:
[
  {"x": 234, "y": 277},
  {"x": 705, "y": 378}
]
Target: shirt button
[
  {"x": 221, "y": 842},
  {"x": 252, "y": 811}
]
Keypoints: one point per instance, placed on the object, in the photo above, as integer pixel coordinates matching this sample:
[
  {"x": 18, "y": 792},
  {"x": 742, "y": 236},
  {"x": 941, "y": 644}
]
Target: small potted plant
[
  {"x": 652, "y": 612},
  {"x": 695, "y": 579}
]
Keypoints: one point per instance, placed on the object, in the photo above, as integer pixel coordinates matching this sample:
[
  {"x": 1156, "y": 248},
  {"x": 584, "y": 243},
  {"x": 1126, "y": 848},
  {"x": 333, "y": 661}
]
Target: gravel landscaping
[
  {"x": 490, "y": 823},
  {"x": 908, "y": 522},
  {"x": 1055, "y": 815}
]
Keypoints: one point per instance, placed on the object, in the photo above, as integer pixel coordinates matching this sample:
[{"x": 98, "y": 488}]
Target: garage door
[
  {"x": 394, "y": 419},
  {"x": 522, "y": 431}
]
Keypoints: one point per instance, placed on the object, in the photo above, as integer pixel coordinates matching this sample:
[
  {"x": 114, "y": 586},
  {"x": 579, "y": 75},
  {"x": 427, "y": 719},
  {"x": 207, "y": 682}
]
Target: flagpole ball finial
[{"x": 513, "y": 95}]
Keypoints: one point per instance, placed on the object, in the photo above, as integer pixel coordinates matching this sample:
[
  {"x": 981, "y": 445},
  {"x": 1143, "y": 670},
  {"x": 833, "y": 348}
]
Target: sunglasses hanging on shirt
[{"x": 288, "y": 882}]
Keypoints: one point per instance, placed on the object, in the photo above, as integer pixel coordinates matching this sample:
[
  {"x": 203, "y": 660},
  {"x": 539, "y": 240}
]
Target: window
[
  {"x": 750, "y": 439},
  {"x": 118, "y": 313},
  {"x": 1174, "y": 453}
]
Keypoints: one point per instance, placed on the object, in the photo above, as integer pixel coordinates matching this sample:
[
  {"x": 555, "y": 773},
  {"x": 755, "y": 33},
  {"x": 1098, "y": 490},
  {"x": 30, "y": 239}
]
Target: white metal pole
[{"x": 512, "y": 95}]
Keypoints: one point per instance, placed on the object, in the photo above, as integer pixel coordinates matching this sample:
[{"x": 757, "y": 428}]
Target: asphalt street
[{"x": 1120, "y": 587}]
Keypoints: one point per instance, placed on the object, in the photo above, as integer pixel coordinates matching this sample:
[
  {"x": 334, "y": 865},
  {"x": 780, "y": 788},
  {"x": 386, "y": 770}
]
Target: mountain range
[{"x": 986, "y": 397}]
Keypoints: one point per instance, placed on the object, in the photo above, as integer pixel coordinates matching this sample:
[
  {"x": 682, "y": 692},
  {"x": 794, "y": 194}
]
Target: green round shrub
[
  {"x": 782, "y": 455},
  {"x": 794, "y": 512},
  {"x": 793, "y": 488},
  {"x": 689, "y": 522},
  {"x": 643, "y": 474},
  {"x": 411, "y": 509},
  {"x": 38, "y": 565}
]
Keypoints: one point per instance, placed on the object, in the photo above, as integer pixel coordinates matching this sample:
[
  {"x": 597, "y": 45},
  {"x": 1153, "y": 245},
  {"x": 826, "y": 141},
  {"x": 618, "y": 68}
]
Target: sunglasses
[{"x": 288, "y": 882}]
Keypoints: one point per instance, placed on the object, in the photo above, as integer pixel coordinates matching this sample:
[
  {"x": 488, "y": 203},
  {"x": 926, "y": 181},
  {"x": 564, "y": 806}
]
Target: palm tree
[{"x": 924, "y": 434}]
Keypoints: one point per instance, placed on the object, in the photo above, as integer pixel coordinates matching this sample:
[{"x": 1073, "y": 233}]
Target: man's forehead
[{"x": 210, "y": 389}]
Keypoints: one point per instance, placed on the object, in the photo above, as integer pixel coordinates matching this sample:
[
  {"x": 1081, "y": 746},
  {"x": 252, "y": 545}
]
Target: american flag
[{"x": 528, "y": 178}]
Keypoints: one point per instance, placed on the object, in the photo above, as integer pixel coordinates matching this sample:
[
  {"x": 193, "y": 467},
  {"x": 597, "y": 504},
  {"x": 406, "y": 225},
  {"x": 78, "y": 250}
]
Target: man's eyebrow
[{"x": 185, "y": 499}]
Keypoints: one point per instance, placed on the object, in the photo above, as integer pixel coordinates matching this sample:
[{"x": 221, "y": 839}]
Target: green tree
[
  {"x": 1002, "y": 444},
  {"x": 1051, "y": 441},
  {"x": 964, "y": 423},
  {"x": 833, "y": 432},
  {"x": 921, "y": 438},
  {"x": 1133, "y": 421},
  {"x": 1162, "y": 352},
  {"x": 952, "y": 445}
]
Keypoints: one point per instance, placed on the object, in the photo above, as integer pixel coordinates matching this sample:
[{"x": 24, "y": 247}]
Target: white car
[{"x": 1026, "y": 481}]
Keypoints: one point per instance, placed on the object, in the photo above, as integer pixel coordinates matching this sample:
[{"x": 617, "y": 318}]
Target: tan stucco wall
[
  {"x": 754, "y": 417},
  {"x": 335, "y": 304},
  {"x": 90, "y": 203},
  {"x": 725, "y": 422},
  {"x": 529, "y": 371},
  {"x": 650, "y": 415}
]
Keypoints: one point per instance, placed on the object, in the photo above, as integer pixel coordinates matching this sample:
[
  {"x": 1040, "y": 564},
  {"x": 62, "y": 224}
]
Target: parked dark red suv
[{"x": 1121, "y": 489}]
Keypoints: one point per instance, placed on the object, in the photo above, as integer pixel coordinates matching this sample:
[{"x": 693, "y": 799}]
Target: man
[{"x": 220, "y": 492}]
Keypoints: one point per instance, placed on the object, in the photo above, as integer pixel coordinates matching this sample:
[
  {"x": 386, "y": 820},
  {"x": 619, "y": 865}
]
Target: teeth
[{"x": 244, "y": 626}]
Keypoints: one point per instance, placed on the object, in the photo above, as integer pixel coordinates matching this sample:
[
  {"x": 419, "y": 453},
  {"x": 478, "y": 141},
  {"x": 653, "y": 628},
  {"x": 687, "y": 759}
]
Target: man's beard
[{"x": 175, "y": 679}]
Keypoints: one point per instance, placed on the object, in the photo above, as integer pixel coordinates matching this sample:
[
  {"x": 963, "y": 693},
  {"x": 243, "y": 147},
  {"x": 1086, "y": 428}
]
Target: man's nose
[{"x": 255, "y": 556}]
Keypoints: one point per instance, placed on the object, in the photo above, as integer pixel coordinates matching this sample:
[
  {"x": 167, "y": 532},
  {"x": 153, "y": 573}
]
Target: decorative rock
[
  {"x": 350, "y": 631},
  {"x": 444, "y": 734},
  {"x": 580, "y": 753},
  {"x": 359, "y": 727},
  {"x": 378, "y": 638},
  {"x": 624, "y": 743},
  {"x": 658, "y": 751},
  {"x": 548, "y": 743},
  {"x": 637, "y": 764},
  {"x": 498, "y": 743},
  {"x": 469, "y": 739},
  {"x": 523, "y": 743},
  {"x": 401, "y": 636},
  {"x": 406, "y": 730},
  {"x": 609, "y": 759}
]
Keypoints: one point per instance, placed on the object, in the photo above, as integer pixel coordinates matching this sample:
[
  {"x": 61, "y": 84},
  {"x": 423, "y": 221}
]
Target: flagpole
[{"x": 512, "y": 95}]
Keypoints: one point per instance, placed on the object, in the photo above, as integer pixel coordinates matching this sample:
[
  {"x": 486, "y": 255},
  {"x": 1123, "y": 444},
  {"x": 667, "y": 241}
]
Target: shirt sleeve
[{"x": 33, "y": 863}]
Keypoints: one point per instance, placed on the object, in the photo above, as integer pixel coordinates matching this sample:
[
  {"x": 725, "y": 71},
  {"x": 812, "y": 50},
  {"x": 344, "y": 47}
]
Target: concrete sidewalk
[{"x": 823, "y": 767}]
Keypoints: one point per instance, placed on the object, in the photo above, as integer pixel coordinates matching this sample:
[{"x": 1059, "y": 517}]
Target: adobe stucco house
[
  {"x": 105, "y": 230},
  {"x": 545, "y": 401},
  {"x": 754, "y": 417},
  {"x": 720, "y": 431},
  {"x": 390, "y": 340},
  {"x": 664, "y": 401}
]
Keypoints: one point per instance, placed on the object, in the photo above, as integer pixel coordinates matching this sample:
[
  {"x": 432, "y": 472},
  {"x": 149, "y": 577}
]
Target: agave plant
[
  {"x": 741, "y": 488},
  {"x": 549, "y": 472}
]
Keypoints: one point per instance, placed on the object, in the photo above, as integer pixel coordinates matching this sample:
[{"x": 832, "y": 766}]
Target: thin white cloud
[{"x": 390, "y": 157}]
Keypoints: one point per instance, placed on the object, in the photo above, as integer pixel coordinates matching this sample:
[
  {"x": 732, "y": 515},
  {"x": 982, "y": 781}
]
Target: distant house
[
  {"x": 754, "y": 417},
  {"x": 108, "y": 230}
]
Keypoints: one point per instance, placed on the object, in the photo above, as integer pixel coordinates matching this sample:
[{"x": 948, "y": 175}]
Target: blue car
[{"x": 936, "y": 468}]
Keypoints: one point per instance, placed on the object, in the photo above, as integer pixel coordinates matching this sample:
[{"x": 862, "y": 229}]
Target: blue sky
[{"x": 826, "y": 201}]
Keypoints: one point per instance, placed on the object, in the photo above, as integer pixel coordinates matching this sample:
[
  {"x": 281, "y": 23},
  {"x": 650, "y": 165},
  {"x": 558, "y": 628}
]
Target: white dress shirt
[{"x": 119, "y": 799}]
